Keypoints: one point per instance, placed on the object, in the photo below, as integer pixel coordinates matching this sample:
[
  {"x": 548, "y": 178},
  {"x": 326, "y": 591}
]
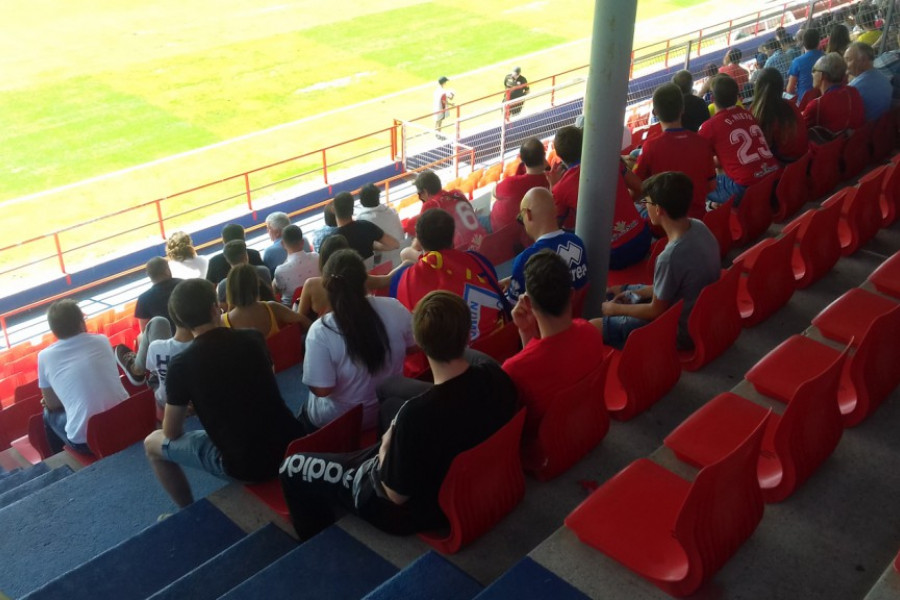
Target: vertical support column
[
  {"x": 604, "y": 118},
  {"x": 247, "y": 192},
  {"x": 888, "y": 18}
]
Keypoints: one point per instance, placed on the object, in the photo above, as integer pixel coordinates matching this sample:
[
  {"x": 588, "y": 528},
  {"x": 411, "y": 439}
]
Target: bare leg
[{"x": 169, "y": 474}]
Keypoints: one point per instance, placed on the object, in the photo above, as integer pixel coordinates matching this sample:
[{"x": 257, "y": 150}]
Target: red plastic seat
[
  {"x": 794, "y": 444},
  {"x": 817, "y": 247},
  {"x": 675, "y": 533},
  {"x": 126, "y": 337},
  {"x": 884, "y": 136},
  {"x": 769, "y": 280},
  {"x": 8, "y": 387},
  {"x": 29, "y": 389},
  {"x": 26, "y": 366},
  {"x": 37, "y": 439},
  {"x": 295, "y": 297},
  {"x": 754, "y": 213},
  {"x": 631, "y": 386},
  {"x": 890, "y": 195},
  {"x": 579, "y": 297},
  {"x": 500, "y": 246},
  {"x": 286, "y": 347},
  {"x": 824, "y": 168},
  {"x": 482, "y": 486},
  {"x": 126, "y": 423},
  {"x": 792, "y": 191},
  {"x": 575, "y": 422},
  {"x": 719, "y": 223},
  {"x": 340, "y": 435},
  {"x": 635, "y": 273},
  {"x": 123, "y": 324},
  {"x": 860, "y": 211},
  {"x": 14, "y": 420},
  {"x": 715, "y": 322},
  {"x": 500, "y": 344},
  {"x": 886, "y": 278},
  {"x": 856, "y": 154}
]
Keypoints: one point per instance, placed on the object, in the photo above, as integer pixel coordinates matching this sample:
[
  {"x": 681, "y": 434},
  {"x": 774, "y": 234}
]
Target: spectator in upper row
[
  {"x": 787, "y": 51},
  {"x": 236, "y": 253},
  {"x": 695, "y": 110},
  {"x": 184, "y": 263},
  {"x": 299, "y": 266},
  {"x": 888, "y": 64},
  {"x": 800, "y": 75},
  {"x": 469, "y": 233},
  {"x": 385, "y": 217},
  {"x": 838, "y": 40},
  {"x": 839, "y": 107},
  {"x": 509, "y": 192},
  {"x": 780, "y": 120},
  {"x": 874, "y": 88},
  {"x": 363, "y": 236},
  {"x": 564, "y": 175},
  {"x": 246, "y": 311},
  {"x": 275, "y": 254},
  {"x": 218, "y": 265},
  {"x": 866, "y": 18},
  {"x": 733, "y": 68},
  {"x": 327, "y": 229},
  {"x": 739, "y": 145},
  {"x": 155, "y": 301}
]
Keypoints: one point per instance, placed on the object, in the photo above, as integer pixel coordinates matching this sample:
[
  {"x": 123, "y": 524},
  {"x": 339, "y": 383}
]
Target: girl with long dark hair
[{"x": 780, "y": 120}]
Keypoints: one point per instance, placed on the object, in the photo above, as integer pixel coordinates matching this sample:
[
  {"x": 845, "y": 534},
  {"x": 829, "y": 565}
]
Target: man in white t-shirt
[
  {"x": 77, "y": 376},
  {"x": 385, "y": 217},
  {"x": 299, "y": 265}
]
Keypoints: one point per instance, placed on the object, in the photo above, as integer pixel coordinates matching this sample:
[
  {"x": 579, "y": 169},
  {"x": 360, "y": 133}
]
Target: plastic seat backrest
[
  {"x": 631, "y": 387},
  {"x": 499, "y": 247},
  {"x": 862, "y": 211},
  {"x": 824, "y": 170},
  {"x": 883, "y": 136},
  {"x": 856, "y": 154},
  {"x": 14, "y": 418},
  {"x": 26, "y": 365},
  {"x": 124, "y": 424},
  {"x": 575, "y": 422},
  {"x": 481, "y": 487},
  {"x": 338, "y": 436},
  {"x": 29, "y": 389},
  {"x": 873, "y": 369},
  {"x": 715, "y": 322},
  {"x": 655, "y": 250},
  {"x": 126, "y": 337},
  {"x": 792, "y": 191},
  {"x": 286, "y": 347},
  {"x": 8, "y": 386},
  {"x": 722, "y": 509},
  {"x": 889, "y": 195},
  {"x": 579, "y": 297},
  {"x": 754, "y": 213},
  {"x": 126, "y": 324},
  {"x": 37, "y": 436},
  {"x": 770, "y": 282},
  {"x": 499, "y": 344},
  {"x": 818, "y": 246},
  {"x": 719, "y": 223}
]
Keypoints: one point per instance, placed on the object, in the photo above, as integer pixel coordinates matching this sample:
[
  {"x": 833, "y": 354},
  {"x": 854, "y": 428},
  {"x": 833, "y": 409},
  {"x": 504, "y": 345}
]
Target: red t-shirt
[
  {"x": 545, "y": 365},
  {"x": 839, "y": 108},
  {"x": 565, "y": 197},
  {"x": 627, "y": 221},
  {"x": 740, "y": 144},
  {"x": 468, "y": 232},
  {"x": 509, "y": 193},
  {"x": 738, "y": 73},
  {"x": 685, "y": 151}
]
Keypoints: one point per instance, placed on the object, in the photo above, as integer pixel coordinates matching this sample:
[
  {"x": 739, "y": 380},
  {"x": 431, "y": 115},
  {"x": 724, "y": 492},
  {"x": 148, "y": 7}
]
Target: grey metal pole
[
  {"x": 604, "y": 116},
  {"x": 885, "y": 30}
]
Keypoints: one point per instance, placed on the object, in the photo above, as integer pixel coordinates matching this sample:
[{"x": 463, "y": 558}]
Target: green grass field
[{"x": 90, "y": 93}]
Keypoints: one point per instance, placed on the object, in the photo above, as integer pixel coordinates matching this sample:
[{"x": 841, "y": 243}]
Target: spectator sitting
[
  {"x": 757, "y": 69},
  {"x": 710, "y": 71},
  {"x": 564, "y": 176},
  {"x": 874, "y": 88},
  {"x": 328, "y": 229},
  {"x": 77, "y": 376},
  {"x": 866, "y": 17},
  {"x": 695, "y": 111},
  {"x": 780, "y": 119},
  {"x": 800, "y": 74},
  {"x": 362, "y": 341},
  {"x": 787, "y": 51},
  {"x": 689, "y": 262},
  {"x": 184, "y": 263},
  {"x": 839, "y": 107},
  {"x": 469, "y": 232},
  {"x": 742, "y": 153},
  {"x": 155, "y": 301},
  {"x": 733, "y": 68},
  {"x": 398, "y": 480},
  {"x": 313, "y": 302},
  {"x": 247, "y": 312},
  {"x": 363, "y": 236},
  {"x": 509, "y": 192},
  {"x": 888, "y": 64},
  {"x": 161, "y": 348},
  {"x": 219, "y": 266},
  {"x": 678, "y": 149},
  {"x": 553, "y": 342},
  {"x": 299, "y": 266},
  {"x": 235, "y": 253},
  {"x": 275, "y": 254},
  {"x": 385, "y": 217},
  {"x": 838, "y": 39},
  {"x": 226, "y": 375}
]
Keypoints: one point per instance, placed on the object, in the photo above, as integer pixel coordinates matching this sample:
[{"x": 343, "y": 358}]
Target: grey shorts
[{"x": 194, "y": 449}]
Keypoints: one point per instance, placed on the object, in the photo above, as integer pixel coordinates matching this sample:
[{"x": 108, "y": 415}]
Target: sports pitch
[{"x": 91, "y": 92}]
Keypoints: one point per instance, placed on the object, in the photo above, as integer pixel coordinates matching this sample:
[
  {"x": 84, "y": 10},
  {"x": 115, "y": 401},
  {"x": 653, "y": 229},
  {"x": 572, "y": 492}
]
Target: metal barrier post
[
  {"x": 324, "y": 167},
  {"x": 699, "y": 42},
  {"x": 5, "y": 332},
  {"x": 162, "y": 227},
  {"x": 882, "y": 44},
  {"x": 553, "y": 91},
  {"x": 59, "y": 254},
  {"x": 247, "y": 191},
  {"x": 687, "y": 56},
  {"x": 730, "y": 26}
]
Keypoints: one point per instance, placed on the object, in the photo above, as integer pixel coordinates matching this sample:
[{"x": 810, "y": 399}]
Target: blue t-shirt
[
  {"x": 801, "y": 68},
  {"x": 876, "y": 92},
  {"x": 567, "y": 245},
  {"x": 781, "y": 60}
]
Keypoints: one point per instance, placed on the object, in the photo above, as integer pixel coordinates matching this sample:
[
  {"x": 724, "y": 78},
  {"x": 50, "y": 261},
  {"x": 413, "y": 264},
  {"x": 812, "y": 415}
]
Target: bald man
[{"x": 537, "y": 213}]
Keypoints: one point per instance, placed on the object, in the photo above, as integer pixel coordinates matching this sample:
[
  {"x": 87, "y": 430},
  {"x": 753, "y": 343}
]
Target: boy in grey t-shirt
[{"x": 689, "y": 262}]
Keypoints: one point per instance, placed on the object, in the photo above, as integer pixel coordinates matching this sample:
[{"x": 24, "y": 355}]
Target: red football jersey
[
  {"x": 685, "y": 151},
  {"x": 565, "y": 197},
  {"x": 468, "y": 232},
  {"x": 509, "y": 193},
  {"x": 740, "y": 144}
]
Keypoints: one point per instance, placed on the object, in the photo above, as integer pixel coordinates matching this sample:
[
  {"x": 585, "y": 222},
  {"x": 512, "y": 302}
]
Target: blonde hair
[{"x": 179, "y": 247}]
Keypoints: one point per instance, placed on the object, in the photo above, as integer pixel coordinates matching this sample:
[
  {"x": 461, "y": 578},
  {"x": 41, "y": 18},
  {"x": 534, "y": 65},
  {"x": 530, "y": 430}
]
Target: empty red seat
[
  {"x": 856, "y": 154},
  {"x": 754, "y": 212},
  {"x": 631, "y": 387},
  {"x": 14, "y": 420},
  {"x": 500, "y": 344},
  {"x": 824, "y": 168},
  {"x": 482, "y": 486},
  {"x": 817, "y": 248},
  {"x": 500, "y": 246},
  {"x": 715, "y": 322},
  {"x": 890, "y": 195},
  {"x": 792, "y": 190},
  {"x": 29, "y": 389},
  {"x": 8, "y": 387},
  {"x": 286, "y": 347},
  {"x": 719, "y": 223},
  {"x": 794, "y": 444},
  {"x": 886, "y": 278},
  {"x": 675, "y": 533},
  {"x": 768, "y": 281},
  {"x": 26, "y": 367},
  {"x": 860, "y": 211},
  {"x": 575, "y": 422},
  {"x": 125, "y": 337},
  {"x": 120, "y": 325},
  {"x": 126, "y": 423},
  {"x": 884, "y": 136}
]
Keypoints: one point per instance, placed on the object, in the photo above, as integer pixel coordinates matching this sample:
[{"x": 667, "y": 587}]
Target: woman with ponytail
[
  {"x": 780, "y": 120},
  {"x": 362, "y": 341}
]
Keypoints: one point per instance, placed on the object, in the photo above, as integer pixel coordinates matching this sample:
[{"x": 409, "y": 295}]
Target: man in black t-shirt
[
  {"x": 363, "y": 236},
  {"x": 218, "y": 267},
  {"x": 155, "y": 301},
  {"x": 395, "y": 484},
  {"x": 226, "y": 375}
]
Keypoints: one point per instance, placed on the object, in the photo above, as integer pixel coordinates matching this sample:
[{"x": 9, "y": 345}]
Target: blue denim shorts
[
  {"x": 194, "y": 449},
  {"x": 617, "y": 328}
]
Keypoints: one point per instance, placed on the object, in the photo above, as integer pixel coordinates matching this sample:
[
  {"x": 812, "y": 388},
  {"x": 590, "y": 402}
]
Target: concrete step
[
  {"x": 17, "y": 478},
  {"x": 529, "y": 580},
  {"x": 430, "y": 577},
  {"x": 32, "y": 485}
]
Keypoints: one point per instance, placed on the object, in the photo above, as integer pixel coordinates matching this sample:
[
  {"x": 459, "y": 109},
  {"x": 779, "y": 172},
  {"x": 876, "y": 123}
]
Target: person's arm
[
  {"x": 791, "y": 84},
  {"x": 413, "y": 252},
  {"x": 632, "y": 182},
  {"x": 142, "y": 323},
  {"x": 385, "y": 243},
  {"x": 646, "y": 311},
  {"x": 523, "y": 317},
  {"x": 284, "y": 315},
  {"x": 379, "y": 282},
  {"x": 173, "y": 421},
  {"x": 305, "y": 303},
  {"x": 50, "y": 400},
  {"x": 321, "y": 392},
  {"x": 555, "y": 173},
  {"x": 382, "y": 458}
]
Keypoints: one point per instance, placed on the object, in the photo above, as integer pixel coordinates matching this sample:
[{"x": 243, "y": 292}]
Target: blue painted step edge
[
  {"x": 15, "y": 479},
  {"x": 32, "y": 485},
  {"x": 527, "y": 580},
  {"x": 148, "y": 561},
  {"x": 429, "y": 577},
  {"x": 230, "y": 567},
  {"x": 331, "y": 566}
]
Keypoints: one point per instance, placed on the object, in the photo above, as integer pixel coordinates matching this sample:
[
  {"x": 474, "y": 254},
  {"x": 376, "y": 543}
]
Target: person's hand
[
  {"x": 608, "y": 308},
  {"x": 523, "y": 317},
  {"x": 410, "y": 254},
  {"x": 555, "y": 173},
  {"x": 614, "y": 290}
]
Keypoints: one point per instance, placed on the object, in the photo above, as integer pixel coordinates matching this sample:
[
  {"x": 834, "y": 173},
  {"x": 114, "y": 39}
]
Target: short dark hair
[
  {"x": 772, "y": 44},
  {"x": 428, "y": 181},
  {"x": 684, "y": 80},
  {"x": 567, "y": 144},
  {"x": 442, "y": 80},
  {"x": 234, "y": 251},
  {"x": 668, "y": 102},
  {"x": 343, "y": 205},
  {"x": 733, "y": 55},
  {"x": 192, "y": 302},
  {"x": 232, "y": 231},
  {"x": 158, "y": 269},
  {"x": 811, "y": 38},
  {"x": 441, "y": 325},
  {"x": 671, "y": 190},
  {"x": 548, "y": 282},
  {"x": 532, "y": 153},
  {"x": 435, "y": 229},
  {"x": 725, "y": 91},
  {"x": 329, "y": 246},
  {"x": 369, "y": 195},
  {"x": 242, "y": 286},
  {"x": 328, "y": 215},
  {"x": 292, "y": 236},
  {"x": 65, "y": 318}
]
